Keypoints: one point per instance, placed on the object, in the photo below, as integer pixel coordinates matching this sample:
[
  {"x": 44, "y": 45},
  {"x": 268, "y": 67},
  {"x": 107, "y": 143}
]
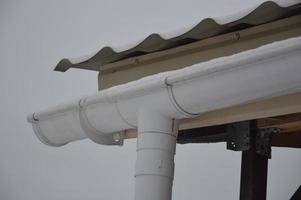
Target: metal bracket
[
  {"x": 243, "y": 135},
  {"x": 264, "y": 140},
  {"x": 239, "y": 135}
]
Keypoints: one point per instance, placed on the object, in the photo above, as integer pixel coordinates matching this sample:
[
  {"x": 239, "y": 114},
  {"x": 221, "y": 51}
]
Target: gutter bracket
[{"x": 175, "y": 103}]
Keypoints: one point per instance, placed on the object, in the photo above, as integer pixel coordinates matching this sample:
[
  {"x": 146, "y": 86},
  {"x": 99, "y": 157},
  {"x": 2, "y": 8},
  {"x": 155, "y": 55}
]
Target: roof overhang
[{"x": 210, "y": 27}]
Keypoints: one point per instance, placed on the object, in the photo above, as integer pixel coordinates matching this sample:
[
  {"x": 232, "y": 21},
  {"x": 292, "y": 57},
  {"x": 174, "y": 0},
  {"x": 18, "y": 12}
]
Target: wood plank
[
  {"x": 283, "y": 119},
  {"x": 292, "y": 139},
  {"x": 276, "y": 106}
]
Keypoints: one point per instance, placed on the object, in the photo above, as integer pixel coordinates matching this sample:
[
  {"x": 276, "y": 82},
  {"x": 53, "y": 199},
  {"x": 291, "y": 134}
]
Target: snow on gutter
[{"x": 269, "y": 71}]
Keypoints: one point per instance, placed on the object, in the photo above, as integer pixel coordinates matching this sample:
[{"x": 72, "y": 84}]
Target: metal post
[
  {"x": 156, "y": 144},
  {"x": 297, "y": 194},
  {"x": 254, "y": 168}
]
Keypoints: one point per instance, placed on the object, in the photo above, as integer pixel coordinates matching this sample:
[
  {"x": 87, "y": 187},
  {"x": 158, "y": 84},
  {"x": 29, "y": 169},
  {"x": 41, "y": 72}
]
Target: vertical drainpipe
[{"x": 156, "y": 145}]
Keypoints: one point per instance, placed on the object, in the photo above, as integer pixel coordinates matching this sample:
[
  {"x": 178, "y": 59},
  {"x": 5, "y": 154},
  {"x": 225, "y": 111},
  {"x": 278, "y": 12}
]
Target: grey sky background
[{"x": 34, "y": 36}]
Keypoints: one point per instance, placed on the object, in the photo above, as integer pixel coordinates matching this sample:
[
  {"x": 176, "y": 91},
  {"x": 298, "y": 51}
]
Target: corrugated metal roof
[{"x": 209, "y": 27}]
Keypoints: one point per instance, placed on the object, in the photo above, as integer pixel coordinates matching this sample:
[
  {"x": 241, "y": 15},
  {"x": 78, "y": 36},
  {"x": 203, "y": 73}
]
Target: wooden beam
[
  {"x": 277, "y": 106},
  {"x": 292, "y": 140},
  {"x": 288, "y": 123}
]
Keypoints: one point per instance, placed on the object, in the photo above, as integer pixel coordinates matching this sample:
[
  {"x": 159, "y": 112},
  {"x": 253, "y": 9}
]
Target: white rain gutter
[{"x": 153, "y": 103}]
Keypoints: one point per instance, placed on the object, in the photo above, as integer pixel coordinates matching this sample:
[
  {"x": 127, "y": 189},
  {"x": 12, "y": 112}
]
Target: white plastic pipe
[{"x": 156, "y": 145}]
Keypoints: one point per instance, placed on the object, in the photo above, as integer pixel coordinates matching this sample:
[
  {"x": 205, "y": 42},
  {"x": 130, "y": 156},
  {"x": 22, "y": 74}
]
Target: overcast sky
[{"x": 34, "y": 36}]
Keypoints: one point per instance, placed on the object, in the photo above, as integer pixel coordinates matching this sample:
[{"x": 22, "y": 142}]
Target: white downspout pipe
[{"x": 156, "y": 145}]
